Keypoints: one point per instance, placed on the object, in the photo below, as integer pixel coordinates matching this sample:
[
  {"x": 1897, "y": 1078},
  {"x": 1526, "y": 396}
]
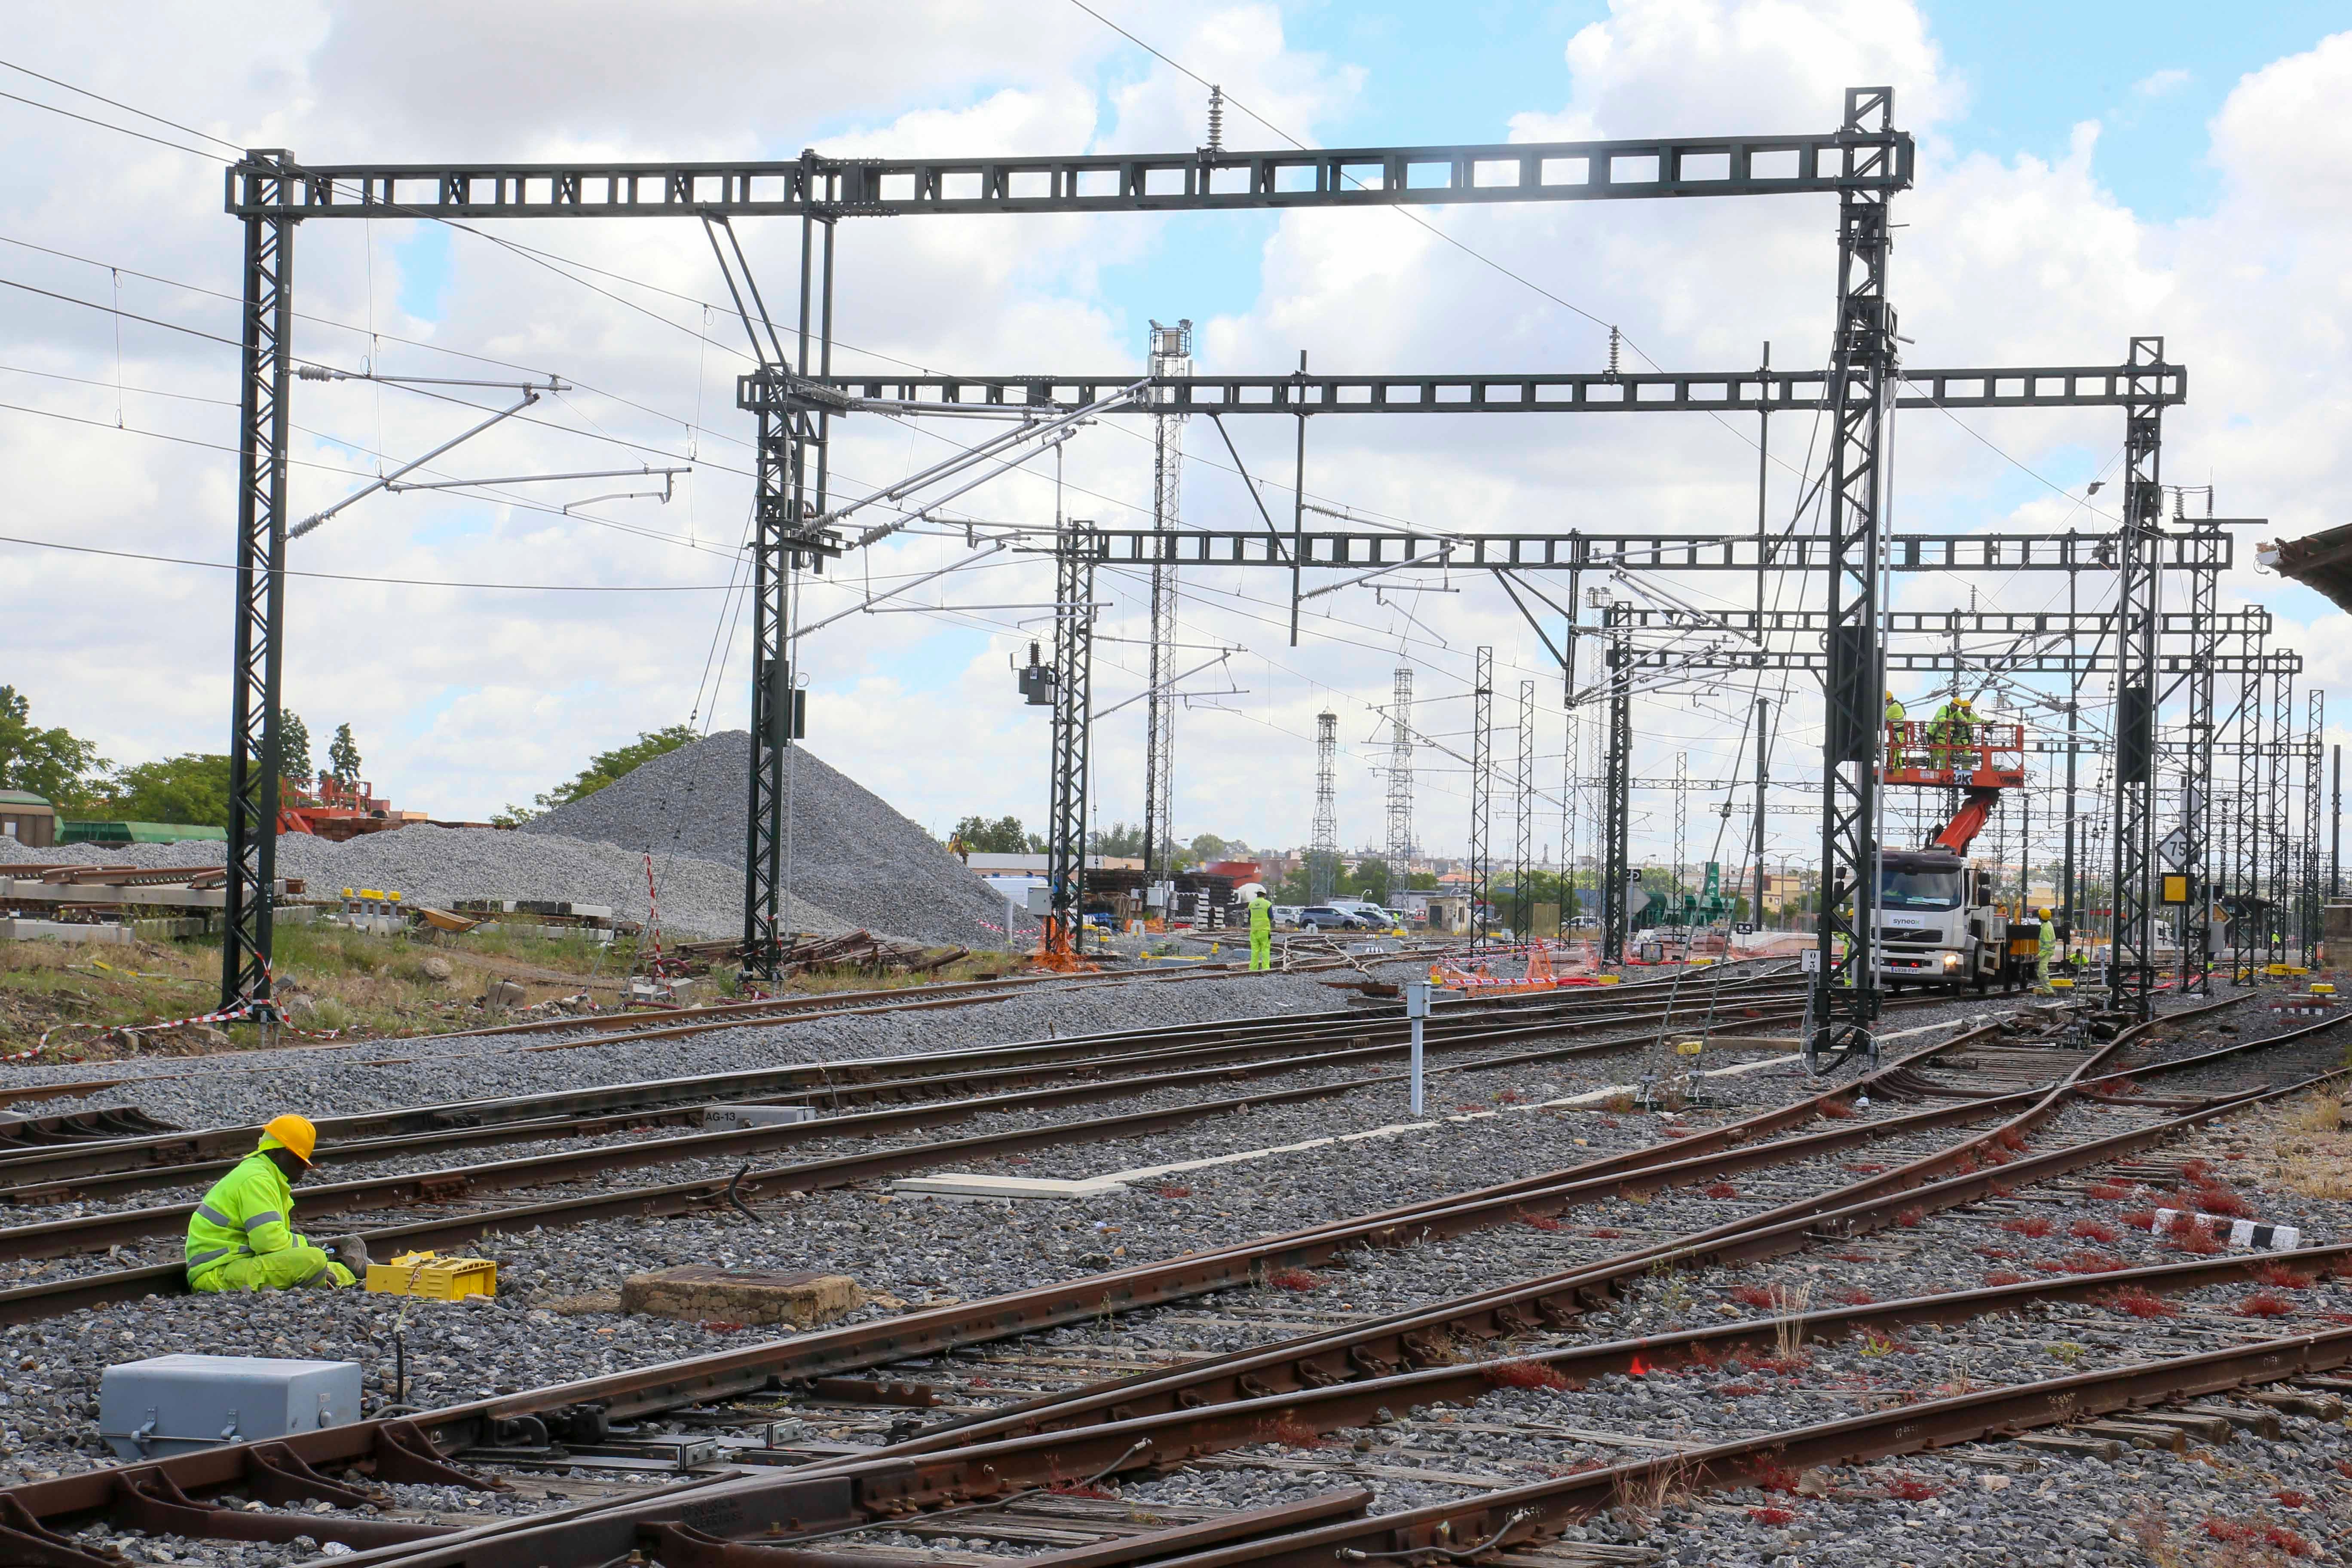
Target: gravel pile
[
  {"x": 848, "y": 850},
  {"x": 437, "y": 866}
]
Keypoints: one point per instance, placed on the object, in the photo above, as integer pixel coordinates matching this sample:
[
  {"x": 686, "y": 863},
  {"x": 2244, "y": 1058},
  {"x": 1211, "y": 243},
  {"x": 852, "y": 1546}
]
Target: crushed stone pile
[
  {"x": 427, "y": 865},
  {"x": 849, "y": 852}
]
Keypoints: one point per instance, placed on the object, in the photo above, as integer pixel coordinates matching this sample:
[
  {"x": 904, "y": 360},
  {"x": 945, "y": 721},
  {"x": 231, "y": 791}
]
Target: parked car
[
  {"x": 1286, "y": 917},
  {"x": 1324, "y": 917}
]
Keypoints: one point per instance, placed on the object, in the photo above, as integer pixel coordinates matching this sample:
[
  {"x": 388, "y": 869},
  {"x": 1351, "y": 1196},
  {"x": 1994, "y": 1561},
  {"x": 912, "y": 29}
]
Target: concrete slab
[{"x": 700, "y": 1293}]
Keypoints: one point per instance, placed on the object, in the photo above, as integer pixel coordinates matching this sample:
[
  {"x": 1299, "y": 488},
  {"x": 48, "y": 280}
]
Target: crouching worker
[{"x": 242, "y": 1237}]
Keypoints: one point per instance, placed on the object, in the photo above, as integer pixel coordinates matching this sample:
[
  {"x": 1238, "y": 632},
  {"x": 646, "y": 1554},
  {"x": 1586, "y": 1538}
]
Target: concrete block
[
  {"x": 179, "y": 1404},
  {"x": 729, "y": 1118},
  {"x": 65, "y": 931},
  {"x": 700, "y": 1293}
]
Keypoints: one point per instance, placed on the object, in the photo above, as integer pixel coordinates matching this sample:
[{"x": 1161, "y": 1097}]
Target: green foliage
[
  {"x": 294, "y": 749},
  {"x": 1117, "y": 839},
  {"x": 1005, "y": 836},
  {"x": 52, "y": 764},
  {"x": 607, "y": 767},
  {"x": 1369, "y": 880},
  {"x": 343, "y": 756},
  {"x": 192, "y": 788}
]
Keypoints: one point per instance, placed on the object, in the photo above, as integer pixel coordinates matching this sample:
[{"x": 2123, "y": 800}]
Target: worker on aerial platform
[
  {"x": 1954, "y": 733},
  {"x": 242, "y": 1237},
  {"x": 1894, "y": 730}
]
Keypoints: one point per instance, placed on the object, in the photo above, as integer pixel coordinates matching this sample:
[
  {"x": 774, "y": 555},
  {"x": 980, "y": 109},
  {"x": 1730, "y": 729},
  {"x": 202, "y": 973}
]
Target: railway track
[{"x": 1154, "y": 1418}]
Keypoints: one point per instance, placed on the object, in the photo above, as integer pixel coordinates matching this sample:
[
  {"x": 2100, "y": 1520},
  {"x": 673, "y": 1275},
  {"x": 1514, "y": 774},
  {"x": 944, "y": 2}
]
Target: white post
[{"x": 1416, "y": 1007}]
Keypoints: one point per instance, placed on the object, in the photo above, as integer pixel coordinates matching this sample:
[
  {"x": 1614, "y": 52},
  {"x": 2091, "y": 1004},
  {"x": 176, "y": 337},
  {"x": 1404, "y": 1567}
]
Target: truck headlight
[{"x": 1951, "y": 960}]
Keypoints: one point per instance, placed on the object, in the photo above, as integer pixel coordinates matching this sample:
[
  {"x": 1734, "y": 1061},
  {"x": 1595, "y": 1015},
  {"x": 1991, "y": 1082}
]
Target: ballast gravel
[{"x": 845, "y": 849}]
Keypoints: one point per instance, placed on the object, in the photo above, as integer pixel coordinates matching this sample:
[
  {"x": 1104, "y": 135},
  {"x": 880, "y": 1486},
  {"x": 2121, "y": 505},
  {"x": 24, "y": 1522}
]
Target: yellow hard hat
[
  {"x": 2044, "y": 912},
  {"x": 292, "y": 1133}
]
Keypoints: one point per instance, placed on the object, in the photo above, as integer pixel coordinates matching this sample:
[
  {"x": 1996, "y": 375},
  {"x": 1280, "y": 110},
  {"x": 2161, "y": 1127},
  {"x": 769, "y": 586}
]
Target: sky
[{"x": 2086, "y": 172}]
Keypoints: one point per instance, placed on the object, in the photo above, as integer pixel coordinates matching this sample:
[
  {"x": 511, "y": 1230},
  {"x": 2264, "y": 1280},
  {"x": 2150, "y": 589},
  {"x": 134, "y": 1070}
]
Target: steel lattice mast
[
  {"x": 1400, "y": 813},
  {"x": 1482, "y": 774},
  {"x": 1172, "y": 355},
  {"x": 1523, "y": 906},
  {"x": 1323, "y": 854}
]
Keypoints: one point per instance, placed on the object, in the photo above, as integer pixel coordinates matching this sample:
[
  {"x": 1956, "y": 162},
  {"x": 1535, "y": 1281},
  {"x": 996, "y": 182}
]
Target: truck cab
[{"x": 1937, "y": 923}]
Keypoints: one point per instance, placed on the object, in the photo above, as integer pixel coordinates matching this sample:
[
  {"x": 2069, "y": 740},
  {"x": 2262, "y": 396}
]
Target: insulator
[{"x": 1216, "y": 120}]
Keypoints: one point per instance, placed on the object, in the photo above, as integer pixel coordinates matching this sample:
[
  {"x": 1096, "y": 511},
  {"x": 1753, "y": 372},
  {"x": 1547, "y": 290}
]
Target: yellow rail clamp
[
  {"x": 1688, "y": 1047},
  {"x": 2060, "y": 983},
  {"x": 1606, "y": 979},
  {"x": 442, "y": 1278},
  {"x": 2298, "y": 969},
  {"x": 2322, "y": 988},
  {"x": 2276, "y": 969}
]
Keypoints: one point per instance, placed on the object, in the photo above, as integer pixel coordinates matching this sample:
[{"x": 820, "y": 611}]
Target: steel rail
[
  {"x": 32, "y": 1167},
  {"x": 97, "y": 1232},
  {"x": 773, "y": 1512},
  {"x": 849, "y": 1348}
]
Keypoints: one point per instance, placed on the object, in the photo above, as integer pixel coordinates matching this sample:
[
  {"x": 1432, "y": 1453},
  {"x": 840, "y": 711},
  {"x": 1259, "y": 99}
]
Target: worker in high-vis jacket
[
  {"x": 1261, "y": 929},
  {"x": 242, "y": 1237},
  {"x": 2042, "y": 954}
]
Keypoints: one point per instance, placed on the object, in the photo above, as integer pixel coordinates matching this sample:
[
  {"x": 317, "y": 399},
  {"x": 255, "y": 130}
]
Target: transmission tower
[
  {"x": 1399, "y": 836},
  {"x": 1482, "y": 771},
  {"x": 1523, "y": 896},
  {"x": 1323, "y": 856},
  {"x": 1172, "y": 355}
]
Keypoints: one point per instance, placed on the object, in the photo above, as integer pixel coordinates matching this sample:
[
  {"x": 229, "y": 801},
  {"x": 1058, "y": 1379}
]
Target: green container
[{"x": 135, "y": 832}]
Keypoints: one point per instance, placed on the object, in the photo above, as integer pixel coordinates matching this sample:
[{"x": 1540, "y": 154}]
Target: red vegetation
[
  {"x": 2092, "y": 1230},
  {"x": 1611, "y": 1122},
  {"x": 1995, "y": 1254},
  {"x": 2123, "y": 1088},
  {"x": 2036, "y": 1226},
  {"x": 1719, "y": 1190},
  {"x": 1771, "y": 1476},
  {"x": 1773, "y": 1516},
  {"x": 2106, "y": 1192},
  {"x": 1853, "y": 1256},
  {"x": 2280, "y": 1276},
  {"x": 1867, "y": 1170},
  {"x": 2141, "y": 1303},
  {"x": 2223, "y": 1202},
  {"x": 2293, "y": 1499},
  {"x": 1911, "y": 1489},
  {"x": 1525, "y": 1375},
  {"x": 1737, "y": 1390},
  {"x": 719, "y": 1327},
  {"x": 2091, "y": 1263},
  {"x": 2263, "y": 1304},
  {"x": 1677, "y": 1131},
  {"x": 1965, "y": 1164},
  {"x": 1079, "y": 1489},
  {"x": 1850, "y": 1295},
  {"x": 1759, "y": 1295},
  {"x": 1702, "y": 1357},
  {"x": 2197, "y": 1171},
  {"x": 2276, "y": 1536},
  {"x": 1295, "y": 1280},
  {"x": 1540, "y": 1221},
  {"x": 1909, "y": 1218},
  {"x": 2044, "y": 1266},
  {"x": 1173, "y": 1192},
  {"x": 1837, "y": 1110},
  {"x": 1995, "y": 1155},
  {"x": 1605, "y": 1234},
  {"x": 2010, "y": 1138},
  {"x": 2004, "y": 1276},
  {"x": 2138, "y": 1218}
]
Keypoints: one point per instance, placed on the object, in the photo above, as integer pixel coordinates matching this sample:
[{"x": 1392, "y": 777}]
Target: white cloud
[
  {"x": 2158, "y": 83},
  {"x": 466, "y": 699}
]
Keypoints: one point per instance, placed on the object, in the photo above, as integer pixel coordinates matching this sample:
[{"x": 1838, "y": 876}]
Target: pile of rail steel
[
  {"x": 858, "y": 949},
  {"x": 38, "y": 899}
]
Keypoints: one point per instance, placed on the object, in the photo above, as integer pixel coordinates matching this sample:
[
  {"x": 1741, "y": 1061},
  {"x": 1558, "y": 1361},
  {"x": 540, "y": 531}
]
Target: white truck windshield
[{"x": 1902, "y": 889}]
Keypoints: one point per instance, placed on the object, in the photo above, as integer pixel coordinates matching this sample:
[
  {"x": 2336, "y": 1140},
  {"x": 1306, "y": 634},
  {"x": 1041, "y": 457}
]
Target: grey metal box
[
  {"x": 178, "y": 1404},
  {"x": 729, "y": 1118}
]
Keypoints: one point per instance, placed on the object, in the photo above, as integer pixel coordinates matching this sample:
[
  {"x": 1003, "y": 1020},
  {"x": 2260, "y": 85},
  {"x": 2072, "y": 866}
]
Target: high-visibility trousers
[
  {"x": 2041, "y": 970},
  {"x": 1261, "y": 950},
  {"x": 295, "y": 1266}
]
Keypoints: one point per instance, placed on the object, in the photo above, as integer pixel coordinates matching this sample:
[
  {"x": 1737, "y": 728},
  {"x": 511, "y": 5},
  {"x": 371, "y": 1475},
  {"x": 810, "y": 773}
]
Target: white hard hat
[{"x": 1250, "y": 891}]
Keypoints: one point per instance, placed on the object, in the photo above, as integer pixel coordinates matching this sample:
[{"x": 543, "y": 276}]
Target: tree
[
  {"x": 1117, "y": 839},
  {"x": 1005, "y": 836},
  {"x": 193, "y": 788},
  {"x": 1207, "y": 847},
  {"x": 343, "y": 756},
  {"x": 294, "y": 749},
  {"x": 1370, "y": 880},
  {"x": 52, "y": 764},
  {"x": 603, "y": 769}
]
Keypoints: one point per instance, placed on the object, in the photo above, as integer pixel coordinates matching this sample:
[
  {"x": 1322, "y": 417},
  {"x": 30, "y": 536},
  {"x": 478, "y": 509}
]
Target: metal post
[
  {"x": 1482, "y": 768},
  {"x": 1763, "y": 779},
  {"x": 265, "y": 417},
  {"x": 1567, "y": 823},
  {"x": 2306, "y": 882},
  {"x": 2335, "y": 827},
  {"x": 1416, "y": 1008},
  {"x": 1298, "y": 496},
  {"x": 2131, "y": 959},
  {"x": 1399, "y": 844},
  {"x": 1861, "y": 373},
  {"x": 1617, "y": 798},
  {"x": 1076, "y": 547},
  {"x": 1523, "y": 897}
]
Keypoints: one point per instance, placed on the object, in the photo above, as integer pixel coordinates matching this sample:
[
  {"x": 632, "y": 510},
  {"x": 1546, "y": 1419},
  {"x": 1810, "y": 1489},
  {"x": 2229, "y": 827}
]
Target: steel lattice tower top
[
  {"x": 1171, "y": 356},
  {"x": 1323, "y": 854},
  {"x": 1400, "y": 814}
]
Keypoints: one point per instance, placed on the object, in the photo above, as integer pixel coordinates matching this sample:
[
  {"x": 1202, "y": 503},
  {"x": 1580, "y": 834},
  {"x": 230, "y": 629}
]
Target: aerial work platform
[{"x": 1982, "y": 756}]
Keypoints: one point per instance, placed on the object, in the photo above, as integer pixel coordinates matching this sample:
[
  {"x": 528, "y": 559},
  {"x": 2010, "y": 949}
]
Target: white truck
[{"x": 1938, "y": 925}]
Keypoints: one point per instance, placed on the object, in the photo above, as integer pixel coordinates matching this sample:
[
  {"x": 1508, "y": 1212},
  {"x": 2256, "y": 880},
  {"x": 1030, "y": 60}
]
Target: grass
[{"x": 2309, "y": 1153}]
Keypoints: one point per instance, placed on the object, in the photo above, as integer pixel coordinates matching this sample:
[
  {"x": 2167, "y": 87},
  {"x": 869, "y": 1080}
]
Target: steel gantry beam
[
  {"x": 1203, "y": 180},
  {"x": 1487, "y": 391}
]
